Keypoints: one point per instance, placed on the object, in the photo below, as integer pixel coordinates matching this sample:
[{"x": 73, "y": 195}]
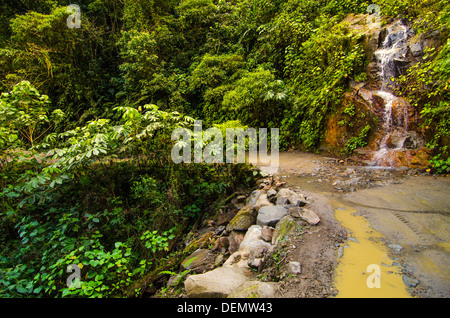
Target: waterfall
[{"x": 393, "y": 48}]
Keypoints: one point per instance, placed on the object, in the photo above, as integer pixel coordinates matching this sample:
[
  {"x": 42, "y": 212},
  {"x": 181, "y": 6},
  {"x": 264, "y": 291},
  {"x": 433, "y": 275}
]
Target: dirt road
[{"x": 398, "y": 221}]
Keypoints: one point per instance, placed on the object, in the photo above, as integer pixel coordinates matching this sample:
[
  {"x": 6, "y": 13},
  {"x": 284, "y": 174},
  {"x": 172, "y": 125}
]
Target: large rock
[
  {"x": 245, "y": 218},
  {"x": 235, "y": 239},
  {"x": 270, "y": 215},
  {"x": 255, "y": 289},
  {"x": 253, "y": 243},
  {"x": 286, "y": 196},
  {"x": 253, "y": 198},
  {"x": 198, "y": 261},
  {"x": 218, "y": 283},
  {"x": 284, "y": 227},
  {"x": 309, "y": 216},
  {"x": 252, "y": 247}
]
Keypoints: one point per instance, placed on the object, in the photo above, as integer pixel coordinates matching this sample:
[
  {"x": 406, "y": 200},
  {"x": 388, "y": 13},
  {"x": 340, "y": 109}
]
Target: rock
[
  {"x": 253, "y": 244},
  {"x": 219, "y": 260},
  {"x": 396, "y": 247},
  {"x": 271, "y": 193},
  {"x": 237, "y": 259},
  {"x": 245, "y": 218},
  {"x": 270, "y": 215},
  {"x": 255, "y": 289},
  {"x": 235, "y": 239},
  {"x": 282, "y": 201},
  {"x": 251, "y": 200},
  {"x": 263, "y": 200},
  {"x": 241, "y": 198},
  {"x": 221, "y": 244},
  {"x": 309, "y": 216},
  {"x": 410, "y": 282},
  {"x": 267, "y": 233},
  {"x": 285, "y": 192},
  {"x": 218, "y": 283},
  {"x": 294, "y": 268},
  {"x": 295, "y": 212},
  {"x": 219, "y": 229},
  {"x": 340, "y": 251},
  {"x": 173, "y": 280},
  {"x": 197, "y": 261},
  {"x": 283, "y": 228},
  {"x": 254, "y": 263}
]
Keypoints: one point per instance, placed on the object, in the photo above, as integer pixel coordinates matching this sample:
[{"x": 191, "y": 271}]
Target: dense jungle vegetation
[{"x": 87, "y": 113}]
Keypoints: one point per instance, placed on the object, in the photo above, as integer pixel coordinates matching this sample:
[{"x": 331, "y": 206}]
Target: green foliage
[
  {"x": 358, "y": 141},
  {"x": 25, "y": 115},
  {"x": 86, "y": 117},
  {"x": 318, "y": 72},
  {"x": 427, "y": 83}
]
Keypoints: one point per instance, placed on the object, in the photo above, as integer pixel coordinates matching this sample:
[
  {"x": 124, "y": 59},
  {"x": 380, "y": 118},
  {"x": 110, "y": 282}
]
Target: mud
[{"x": 403, "y": 207}]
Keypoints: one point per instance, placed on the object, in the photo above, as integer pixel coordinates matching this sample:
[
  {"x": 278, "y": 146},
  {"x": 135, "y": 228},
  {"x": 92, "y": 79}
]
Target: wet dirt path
[{"x": 398, "y": 225}]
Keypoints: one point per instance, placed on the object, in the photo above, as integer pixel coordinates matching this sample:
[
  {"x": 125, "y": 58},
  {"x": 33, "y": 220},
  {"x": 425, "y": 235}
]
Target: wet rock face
[{"x": 396, "y": 136}]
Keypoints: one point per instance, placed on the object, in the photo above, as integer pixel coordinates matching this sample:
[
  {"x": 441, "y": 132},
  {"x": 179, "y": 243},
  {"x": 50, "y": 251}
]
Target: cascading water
[{"x": 394, "y": 48}]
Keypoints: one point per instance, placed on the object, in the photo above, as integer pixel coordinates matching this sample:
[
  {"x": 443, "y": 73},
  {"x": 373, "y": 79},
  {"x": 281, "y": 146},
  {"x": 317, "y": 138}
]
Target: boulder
[
  {"x": 267, "y": 233},
  {"x": 245, "y": 218},
  {"x": 270, "y": 215},
  {"x": 218, "y": 283},
  {"x": 253, "y": 243},
  {"x": 309, "y": 216},
  {"x": 255, "y": 289},
  {"x": 221, "y": 244},
  {"x": 235, "y": 239},
  {"x": 251, "y": 200},
  {"x": 285, "y": 226},
  {"x": 263, "y": 200},
  {"x": 198, "y": 261}
]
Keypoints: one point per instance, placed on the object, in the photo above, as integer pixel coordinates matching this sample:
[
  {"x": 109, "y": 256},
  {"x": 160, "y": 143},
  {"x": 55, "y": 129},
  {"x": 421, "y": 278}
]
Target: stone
[
  {"x": 284, "y": 227},
  {"x": 295, "y": 211},
  {"x": 255, "y": 289},
  {"x": 271, "y": 193},
  {"x": 245, "y": 218},
  {"x": 237, "y": 259},
  {"x": 235, "y": 239},
  {"x": 252, "y": 243},
  {"x": 267, "y": 233},
  {"x": 294, "y": 268},
  {"x": 197, "y": 260},
  {"x": 282, "y": 201},
  {"x": 254, "y": 263},
  {"x": 309, "y": 216},
  {"x": 221, "y": 244},
  {"x": 396, "y": 247},
  {"x": 218, "y": 283},
  {"x": 270, "y": 215},
  {"x": 410, "y": 282},
  {"x": 219, "y": 260},
  {"x": 263, "y": 200},
  {"x": 219, "y": 229},
  {"x": 251, "y": 200}
]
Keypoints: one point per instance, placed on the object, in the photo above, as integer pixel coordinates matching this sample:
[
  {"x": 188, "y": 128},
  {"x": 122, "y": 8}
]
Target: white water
[{"x": 393, "y": 47}]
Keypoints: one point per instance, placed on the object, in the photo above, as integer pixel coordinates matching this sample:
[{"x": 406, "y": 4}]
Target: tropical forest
[{"x": 93, "y": 204}]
